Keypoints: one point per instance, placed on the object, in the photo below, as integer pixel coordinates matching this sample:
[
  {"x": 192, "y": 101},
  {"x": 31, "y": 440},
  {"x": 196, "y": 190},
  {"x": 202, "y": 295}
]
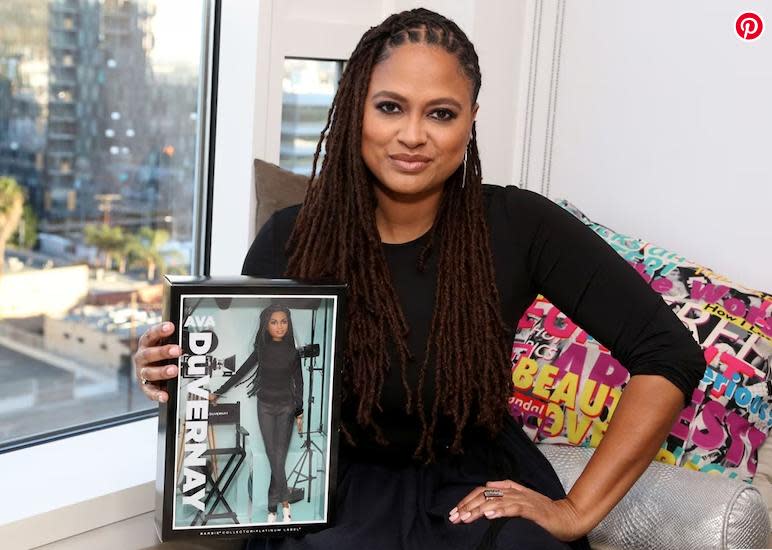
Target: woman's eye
[
  {"x": 443, "y": 114},
  {"x": 388, "y": 107}
]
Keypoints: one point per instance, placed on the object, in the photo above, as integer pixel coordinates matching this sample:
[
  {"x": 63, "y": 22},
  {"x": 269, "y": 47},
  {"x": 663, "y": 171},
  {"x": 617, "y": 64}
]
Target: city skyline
[
  {"x": 99, "y": 123},
  {"x": 69, "y": 128}
]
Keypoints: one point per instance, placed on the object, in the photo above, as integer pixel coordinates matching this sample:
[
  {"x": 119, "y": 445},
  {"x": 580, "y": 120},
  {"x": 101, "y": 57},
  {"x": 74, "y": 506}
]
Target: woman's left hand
[{"x": 559, "y": 517}]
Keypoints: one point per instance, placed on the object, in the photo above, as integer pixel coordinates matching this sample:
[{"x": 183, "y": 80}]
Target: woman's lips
[{"x": 409, "y": 164}]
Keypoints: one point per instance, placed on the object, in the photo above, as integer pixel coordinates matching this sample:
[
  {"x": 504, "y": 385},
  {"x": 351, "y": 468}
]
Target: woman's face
[
  {"x": 418, "y": 117},
  {"x": 278, "y": 325}
]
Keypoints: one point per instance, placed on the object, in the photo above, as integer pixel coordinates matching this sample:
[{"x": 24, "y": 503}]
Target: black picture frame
[{"x": 213, "y": 467}]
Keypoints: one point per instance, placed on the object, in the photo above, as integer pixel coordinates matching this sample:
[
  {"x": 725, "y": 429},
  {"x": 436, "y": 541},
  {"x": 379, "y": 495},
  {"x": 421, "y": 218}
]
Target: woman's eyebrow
[{"x": 386, "y": 94}]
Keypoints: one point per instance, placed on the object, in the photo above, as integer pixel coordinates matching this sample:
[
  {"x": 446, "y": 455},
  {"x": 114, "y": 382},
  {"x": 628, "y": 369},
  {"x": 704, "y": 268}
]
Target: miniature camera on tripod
[
  {"x": 210, "y": 364},
  {"x": 311, "y": 350}
]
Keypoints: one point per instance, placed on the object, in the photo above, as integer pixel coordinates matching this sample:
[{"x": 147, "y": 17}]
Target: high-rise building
[
  {"x": 21, "y": 145},
  {"x": 167, "y": 173},
  {"x": 74, "y": 89},
  {"x": 116, "y": 129},
  {"x": 98, "y": 110},
  {"x": 122, "y": 143},
  {"x": 23, "y": 95}
]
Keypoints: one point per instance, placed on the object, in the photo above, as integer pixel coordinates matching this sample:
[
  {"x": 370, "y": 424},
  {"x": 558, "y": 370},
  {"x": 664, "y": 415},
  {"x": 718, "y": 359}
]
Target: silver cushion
[{"x": 671, "y": 507}]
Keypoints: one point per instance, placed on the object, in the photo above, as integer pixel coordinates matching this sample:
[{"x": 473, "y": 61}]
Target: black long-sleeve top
[
  {"x": 538, "y": 248},
  {"x": 278, "y": 379}
]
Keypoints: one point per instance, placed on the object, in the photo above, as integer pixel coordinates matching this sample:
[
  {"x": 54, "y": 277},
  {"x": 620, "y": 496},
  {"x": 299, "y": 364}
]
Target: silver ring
[
  {"x": 493, "y": 493},
  {"x": 144, "y": 381}
]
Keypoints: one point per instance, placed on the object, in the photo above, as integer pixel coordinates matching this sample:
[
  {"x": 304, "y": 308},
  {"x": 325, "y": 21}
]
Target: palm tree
[
  {"x": 146, "y": 247},
  {"x": 26, "y": 234},
  {"x": 11, "y": 208},
  {"x": 110, "y": 241}
]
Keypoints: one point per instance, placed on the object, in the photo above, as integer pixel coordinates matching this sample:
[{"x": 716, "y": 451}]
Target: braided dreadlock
[{"x": 335, "y": 235}]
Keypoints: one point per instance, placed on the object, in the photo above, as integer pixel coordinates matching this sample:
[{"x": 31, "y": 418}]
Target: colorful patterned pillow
[{"x": 567, "y": 385}]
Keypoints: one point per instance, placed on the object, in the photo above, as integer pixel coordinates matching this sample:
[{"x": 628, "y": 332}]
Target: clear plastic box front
[{"x": 245, "y": 454}]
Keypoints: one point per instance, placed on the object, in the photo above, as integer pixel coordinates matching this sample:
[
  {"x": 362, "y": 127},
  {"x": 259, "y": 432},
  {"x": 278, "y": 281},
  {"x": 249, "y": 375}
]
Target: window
[
  {"x": 102, "y": 113},
  {"x": 308, "y": 88}
]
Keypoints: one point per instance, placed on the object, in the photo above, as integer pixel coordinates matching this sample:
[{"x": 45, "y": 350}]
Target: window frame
[
  {"x": 203, "y": 173},
  {"x": 84, "y": 458},
  {"x": 341, "y": 63}
]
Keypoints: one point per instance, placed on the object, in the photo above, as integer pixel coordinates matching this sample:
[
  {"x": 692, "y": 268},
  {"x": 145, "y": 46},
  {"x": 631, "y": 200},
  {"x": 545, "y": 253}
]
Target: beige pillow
[{"x": 276, "y": 188}]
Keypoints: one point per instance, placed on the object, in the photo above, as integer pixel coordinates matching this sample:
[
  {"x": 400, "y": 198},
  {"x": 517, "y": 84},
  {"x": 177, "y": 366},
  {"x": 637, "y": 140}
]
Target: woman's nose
[{"x": 413, "y": 133}]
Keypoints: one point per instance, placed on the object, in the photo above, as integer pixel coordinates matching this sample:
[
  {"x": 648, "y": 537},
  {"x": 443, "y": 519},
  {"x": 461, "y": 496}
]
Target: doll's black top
[
  {"x": 538, "y": 248},
  {"x": 277, "y": 378}
]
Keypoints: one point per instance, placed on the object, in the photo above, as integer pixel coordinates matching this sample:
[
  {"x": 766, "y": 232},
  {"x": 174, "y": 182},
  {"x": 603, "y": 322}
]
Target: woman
[
  {"x": 439, "y": 269},
  {"x": 278, "y": 386}
]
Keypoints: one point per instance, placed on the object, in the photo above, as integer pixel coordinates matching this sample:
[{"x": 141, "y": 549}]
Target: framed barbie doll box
[{"x": 247, "y": 443}]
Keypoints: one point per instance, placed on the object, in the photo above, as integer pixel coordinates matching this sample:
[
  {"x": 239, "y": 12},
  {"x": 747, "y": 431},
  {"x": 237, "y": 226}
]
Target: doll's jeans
[{"x": 276, "y": 423}]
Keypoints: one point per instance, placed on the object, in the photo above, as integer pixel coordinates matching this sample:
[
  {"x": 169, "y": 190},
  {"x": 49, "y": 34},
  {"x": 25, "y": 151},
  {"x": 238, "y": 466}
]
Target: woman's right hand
[{"x": 149, "y": 352}]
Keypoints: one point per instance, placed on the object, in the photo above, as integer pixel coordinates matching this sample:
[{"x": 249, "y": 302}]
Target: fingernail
[
  {"x": 465, "y": 516},
  {"x": 167, "y": 327},
  {"x": 174, "y": 350},
  {"x": 453, "y": 517},
  {"x": 490, "y": 513},
  {"x": 454, "y": 511},
  {"x": 171, "y": 371},
  {"x": 162, "y": 398}
]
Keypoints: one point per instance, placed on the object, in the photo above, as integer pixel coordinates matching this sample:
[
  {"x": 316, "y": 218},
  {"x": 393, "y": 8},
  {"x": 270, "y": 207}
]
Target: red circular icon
[{"x": 749, "y": 26}]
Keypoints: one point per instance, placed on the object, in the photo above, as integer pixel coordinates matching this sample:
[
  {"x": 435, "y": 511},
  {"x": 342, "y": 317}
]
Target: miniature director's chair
[{"x": 219, "y": 414}]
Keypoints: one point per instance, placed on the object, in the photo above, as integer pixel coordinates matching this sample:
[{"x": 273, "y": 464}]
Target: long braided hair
[
  {"x": 262, "y": 338},
  {"x": 335, "y": 235}
]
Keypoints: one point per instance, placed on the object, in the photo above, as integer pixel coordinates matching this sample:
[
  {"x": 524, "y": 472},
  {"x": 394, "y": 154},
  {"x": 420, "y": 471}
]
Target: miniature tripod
[{"x": 303, "y": 472}]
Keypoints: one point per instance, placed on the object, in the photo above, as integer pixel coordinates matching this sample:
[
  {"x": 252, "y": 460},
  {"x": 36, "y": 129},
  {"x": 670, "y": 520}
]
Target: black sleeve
[
  {"x": 297, "y": 381},
  {"x": 245, "y": 368},
  {"x": 267, "y": 256},
  {"x": 588, "y": 281},
  {"x": 260, "y": 260}
]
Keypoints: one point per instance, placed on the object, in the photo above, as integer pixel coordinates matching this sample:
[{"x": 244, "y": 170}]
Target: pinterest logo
[{"x": 749, "y": 26}]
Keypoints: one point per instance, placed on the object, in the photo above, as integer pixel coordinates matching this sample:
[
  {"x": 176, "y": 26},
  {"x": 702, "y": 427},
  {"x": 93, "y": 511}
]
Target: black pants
[{"x": 276, "y": 427}]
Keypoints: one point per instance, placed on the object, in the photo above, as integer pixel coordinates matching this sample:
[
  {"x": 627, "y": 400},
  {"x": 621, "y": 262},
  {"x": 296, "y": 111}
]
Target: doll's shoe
[
  {"x": 271, "y": 517},
  {"x": 286, "y": 514}
]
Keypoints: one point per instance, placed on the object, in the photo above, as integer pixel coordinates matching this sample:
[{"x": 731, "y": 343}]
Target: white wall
[
  {"x": 654, "y": 118},
  {"x": 498, "y": 34}
]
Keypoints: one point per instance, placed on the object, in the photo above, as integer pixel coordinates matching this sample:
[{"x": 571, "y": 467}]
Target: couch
[{"x": 668, "y": 507}]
